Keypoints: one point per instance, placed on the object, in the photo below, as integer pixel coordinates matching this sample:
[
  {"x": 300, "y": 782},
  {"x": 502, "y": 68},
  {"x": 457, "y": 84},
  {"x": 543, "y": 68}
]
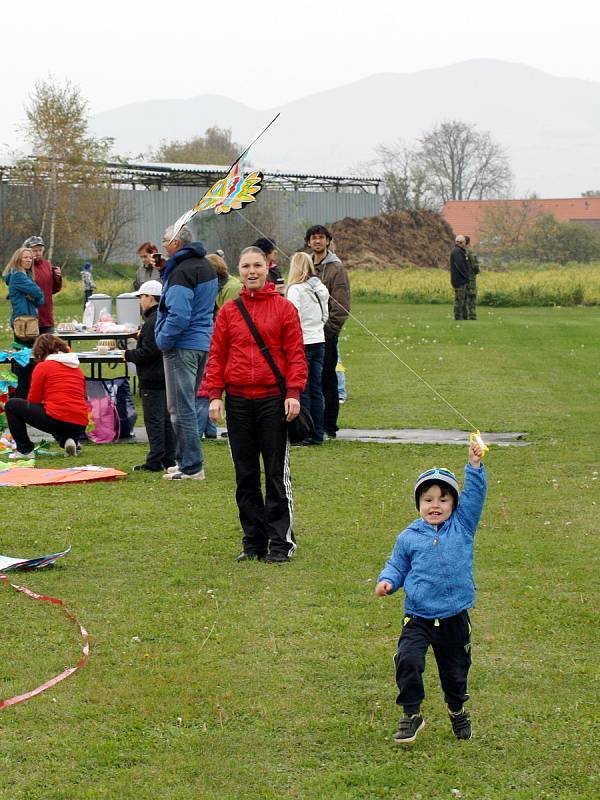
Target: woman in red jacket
[
  {"x": 255, "y": 409},
  {"x": 56, "y": 402}
]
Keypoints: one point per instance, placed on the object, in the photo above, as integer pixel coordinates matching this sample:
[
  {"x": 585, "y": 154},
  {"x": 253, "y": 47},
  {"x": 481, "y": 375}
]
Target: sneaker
[
  {"x": 182, "y": 476},
  {"x": 329, "y": 435},
  {"x": 70, "y": 447},
  {"x": 461, "y": 724},
  {"x": 146, "y": 468},
  {"x": 250, "y": 557},
  {"x": 15, "y": 454},
  {"x": 172, "y": 470},
  {"x": 276, "y": 559},
  {"x": 408, "y": 728}
]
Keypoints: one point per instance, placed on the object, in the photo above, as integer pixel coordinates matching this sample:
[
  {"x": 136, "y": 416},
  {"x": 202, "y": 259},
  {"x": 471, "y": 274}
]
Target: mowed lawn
[{"x": 211, "y": 679}]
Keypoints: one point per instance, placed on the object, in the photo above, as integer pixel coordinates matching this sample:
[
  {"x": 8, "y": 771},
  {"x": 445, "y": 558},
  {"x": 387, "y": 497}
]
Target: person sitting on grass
[
  {"x": 151, "y": 373},
  {"x": 433, "y": 561},
  {"x": 56, "y": 403}
]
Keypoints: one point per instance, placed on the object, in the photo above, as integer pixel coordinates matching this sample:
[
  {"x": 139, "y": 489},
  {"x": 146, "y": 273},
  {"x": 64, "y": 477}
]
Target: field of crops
[{"x": 560, "y": 286}]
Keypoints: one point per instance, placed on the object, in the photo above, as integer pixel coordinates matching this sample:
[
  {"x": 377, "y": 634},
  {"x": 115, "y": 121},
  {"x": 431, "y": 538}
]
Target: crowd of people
[{"x": 198, "y": 361}]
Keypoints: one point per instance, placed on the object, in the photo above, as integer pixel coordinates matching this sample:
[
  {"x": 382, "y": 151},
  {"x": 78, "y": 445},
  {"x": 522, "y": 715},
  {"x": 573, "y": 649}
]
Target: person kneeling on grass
[
  {"x": 148, "y": 360},
  {"x": 56, "y": 403},
  {"x": 433, "y": 561}
]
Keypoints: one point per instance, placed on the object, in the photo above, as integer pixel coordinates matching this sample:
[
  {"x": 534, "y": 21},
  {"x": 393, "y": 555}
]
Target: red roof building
[{"x": 466, "y": 216}]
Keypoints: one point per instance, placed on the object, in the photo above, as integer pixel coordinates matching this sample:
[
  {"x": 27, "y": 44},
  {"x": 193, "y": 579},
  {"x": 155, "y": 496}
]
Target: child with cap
[
  {"x": 148, "y": 360},
  {"x": 433, "y": 561}
]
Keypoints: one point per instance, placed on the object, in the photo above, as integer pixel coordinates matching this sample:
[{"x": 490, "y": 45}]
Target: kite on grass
[{"x": 232, "y": 192}]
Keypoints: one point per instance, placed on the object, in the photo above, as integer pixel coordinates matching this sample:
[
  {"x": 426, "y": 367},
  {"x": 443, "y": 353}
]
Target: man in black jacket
[
  {"x": 151, "y": 374},
  {"x": 459, "y": 277}
]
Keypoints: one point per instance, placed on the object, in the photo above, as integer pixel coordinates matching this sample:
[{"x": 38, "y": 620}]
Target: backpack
[{"x": 105, "y": 417}]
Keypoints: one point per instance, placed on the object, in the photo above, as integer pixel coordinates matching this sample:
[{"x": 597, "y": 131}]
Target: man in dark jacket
[
  {"x": 48, "y": 278},
  {"x": 332, "y": 273},
  {"x": 459, "y": 277},
  {"x": 148, "y": 360},
  {"x": 184, "y": 326}
]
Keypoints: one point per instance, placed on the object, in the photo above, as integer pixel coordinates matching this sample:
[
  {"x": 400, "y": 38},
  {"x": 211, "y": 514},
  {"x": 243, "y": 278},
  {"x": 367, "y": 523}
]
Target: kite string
[{"x": 374, "y": 335}]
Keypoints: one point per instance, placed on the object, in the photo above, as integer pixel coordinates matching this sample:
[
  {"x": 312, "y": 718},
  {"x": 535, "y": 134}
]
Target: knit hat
[
  {"x": 437, "y": 475},
  {"x": 87, "y": 265}
]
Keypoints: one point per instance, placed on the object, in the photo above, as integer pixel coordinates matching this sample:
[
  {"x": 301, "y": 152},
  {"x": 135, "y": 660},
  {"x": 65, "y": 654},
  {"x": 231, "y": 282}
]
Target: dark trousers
[
  {"x": 451, "y": 643},
  {"x": 312, "y": 396},
  {"x": 157, "y": 422},
  {"x": 330, "y": 386},
  {"x": 20, "y": 413},
  {"x": 257, "y": 429}
]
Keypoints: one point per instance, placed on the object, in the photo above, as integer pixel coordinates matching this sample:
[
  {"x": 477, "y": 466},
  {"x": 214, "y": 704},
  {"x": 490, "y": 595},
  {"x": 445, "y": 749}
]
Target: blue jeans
[
  {"x": 183, "y": 373},
  {"x": 312, "y": 396},
  {"x": 206, "y": 426}
]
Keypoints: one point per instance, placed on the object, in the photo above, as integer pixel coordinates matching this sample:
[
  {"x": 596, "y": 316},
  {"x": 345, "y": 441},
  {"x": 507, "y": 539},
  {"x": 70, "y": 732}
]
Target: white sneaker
[
  {"x": 70, "y": 447},
  {"x": 181, "y": 476},
  {"x": 15, "y": 454},
  {"x": 173, "y": 470}
]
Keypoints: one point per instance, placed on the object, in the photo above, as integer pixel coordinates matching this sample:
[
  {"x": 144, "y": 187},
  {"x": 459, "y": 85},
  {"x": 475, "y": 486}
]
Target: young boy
[
  {"x": 433, "y": 561},
  {"x": 149, "y": 363},
  {"x": 87, "y": 282}
]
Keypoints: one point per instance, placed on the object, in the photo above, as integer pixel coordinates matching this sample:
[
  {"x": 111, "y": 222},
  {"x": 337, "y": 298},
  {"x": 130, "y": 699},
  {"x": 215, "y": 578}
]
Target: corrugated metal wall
[{"x": 286, "y": 214}]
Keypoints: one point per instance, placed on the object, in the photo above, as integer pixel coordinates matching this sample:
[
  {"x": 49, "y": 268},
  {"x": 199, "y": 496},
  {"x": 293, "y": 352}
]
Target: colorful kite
[{"x": 232, "y": 192}]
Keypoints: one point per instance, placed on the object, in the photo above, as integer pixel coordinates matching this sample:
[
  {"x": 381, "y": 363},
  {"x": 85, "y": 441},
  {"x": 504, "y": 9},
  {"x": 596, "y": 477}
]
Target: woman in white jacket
[{"x": 311, "y": 298}]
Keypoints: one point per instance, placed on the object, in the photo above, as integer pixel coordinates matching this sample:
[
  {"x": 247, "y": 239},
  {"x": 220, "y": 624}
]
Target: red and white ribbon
[{"x": 19, "y": 698}]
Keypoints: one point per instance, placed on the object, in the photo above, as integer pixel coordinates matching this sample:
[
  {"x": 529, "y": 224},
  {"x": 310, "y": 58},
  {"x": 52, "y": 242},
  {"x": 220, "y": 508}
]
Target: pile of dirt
[{"x": 416, "y": 238}]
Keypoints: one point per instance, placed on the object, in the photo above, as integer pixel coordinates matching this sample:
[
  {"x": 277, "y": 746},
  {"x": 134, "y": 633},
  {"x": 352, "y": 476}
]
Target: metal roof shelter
[{"x": 155, "y": 175}]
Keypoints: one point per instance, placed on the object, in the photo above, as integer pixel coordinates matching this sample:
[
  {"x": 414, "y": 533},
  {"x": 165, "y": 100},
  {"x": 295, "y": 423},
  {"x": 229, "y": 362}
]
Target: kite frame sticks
[
  {"x": 384, "y": 345},
  {"x": 19, "y": 698}
]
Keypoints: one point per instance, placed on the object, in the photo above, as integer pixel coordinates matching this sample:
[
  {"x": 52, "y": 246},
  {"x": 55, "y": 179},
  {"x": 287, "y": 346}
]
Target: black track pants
[
  {"x": 257, "y": 429},
  {"x": 451, "y": 643}
]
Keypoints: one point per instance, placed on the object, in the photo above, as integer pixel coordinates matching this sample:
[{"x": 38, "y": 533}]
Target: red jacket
[
  {"x": 59, "y": 385},
  {"x": 235, "y": 363},
  {"x": 50, "y": 283}
]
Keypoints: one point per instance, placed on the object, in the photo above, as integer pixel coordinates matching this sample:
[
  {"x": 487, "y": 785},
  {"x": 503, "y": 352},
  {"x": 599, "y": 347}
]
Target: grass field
[{"x": 210, "y": 679}]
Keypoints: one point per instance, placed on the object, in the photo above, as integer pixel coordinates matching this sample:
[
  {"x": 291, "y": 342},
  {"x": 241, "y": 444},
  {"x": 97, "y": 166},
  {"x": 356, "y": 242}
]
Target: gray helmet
[{"x": 33, "y": 241}]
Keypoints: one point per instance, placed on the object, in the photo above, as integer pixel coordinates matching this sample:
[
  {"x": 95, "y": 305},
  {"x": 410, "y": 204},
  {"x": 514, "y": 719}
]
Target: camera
[{"x": 157, "y": 259}]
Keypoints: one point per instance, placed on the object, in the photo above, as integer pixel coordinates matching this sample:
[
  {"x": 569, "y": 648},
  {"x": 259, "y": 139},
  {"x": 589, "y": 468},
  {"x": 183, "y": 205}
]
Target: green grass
[{"x": 291, "y": 693}]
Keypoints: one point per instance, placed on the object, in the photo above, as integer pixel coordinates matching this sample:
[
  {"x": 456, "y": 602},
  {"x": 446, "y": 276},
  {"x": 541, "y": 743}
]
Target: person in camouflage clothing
[{"x": 472, "y": 284}]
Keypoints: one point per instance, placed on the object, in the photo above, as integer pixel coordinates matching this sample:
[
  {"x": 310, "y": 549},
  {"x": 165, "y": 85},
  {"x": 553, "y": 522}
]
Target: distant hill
[{"x": 550, "y": 126}]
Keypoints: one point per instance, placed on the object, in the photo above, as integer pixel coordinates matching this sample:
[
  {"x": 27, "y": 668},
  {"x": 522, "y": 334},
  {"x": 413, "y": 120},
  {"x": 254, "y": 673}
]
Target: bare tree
[
  {"x": 57, "y": 124},
  {"x": 505, "y": 225},
  {"x": 106, "y": 213},
  {"x": 404, "y": 179},
  {"x": 461, "y": 163}
]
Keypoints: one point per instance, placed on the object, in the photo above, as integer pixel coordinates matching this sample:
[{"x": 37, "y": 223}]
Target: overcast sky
[{"x": 267, "y": 52}]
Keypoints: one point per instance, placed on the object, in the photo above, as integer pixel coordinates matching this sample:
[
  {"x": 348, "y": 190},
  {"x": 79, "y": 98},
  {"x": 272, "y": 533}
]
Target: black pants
[
  {"x": 161, "y": 437},
  {"x": 20, "y": 413},
  {"x": 330, "y": 386},
  {"x": 451, "y": 643},
  {"x": 257, "y": 429}
]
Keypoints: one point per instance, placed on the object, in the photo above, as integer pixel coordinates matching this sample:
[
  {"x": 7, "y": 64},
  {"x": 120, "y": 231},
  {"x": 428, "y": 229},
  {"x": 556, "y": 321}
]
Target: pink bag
[{"x": 107, "y": 427}]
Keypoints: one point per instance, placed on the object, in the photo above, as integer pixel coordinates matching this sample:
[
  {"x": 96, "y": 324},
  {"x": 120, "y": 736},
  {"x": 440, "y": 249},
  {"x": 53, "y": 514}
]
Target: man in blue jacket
[
  {"x": 183, "y": 330},
  {"x": 433, "y": 561}
]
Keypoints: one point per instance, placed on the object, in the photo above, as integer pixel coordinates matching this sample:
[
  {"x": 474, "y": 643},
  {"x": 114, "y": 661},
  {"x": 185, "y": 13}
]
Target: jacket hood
[
  {"x": 330, "y": 258},
  {"x": 192, "y": 250},
  {"x": 68, "y": 359},
  {"x": 315, "y": 283}
]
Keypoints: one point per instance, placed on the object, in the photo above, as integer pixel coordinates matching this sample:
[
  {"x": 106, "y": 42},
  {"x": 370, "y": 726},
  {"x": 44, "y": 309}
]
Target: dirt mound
[{"x": 417, "y": 238}]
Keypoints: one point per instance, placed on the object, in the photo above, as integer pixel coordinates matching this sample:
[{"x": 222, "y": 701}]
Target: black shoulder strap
[{"x": 261, "y": 344}]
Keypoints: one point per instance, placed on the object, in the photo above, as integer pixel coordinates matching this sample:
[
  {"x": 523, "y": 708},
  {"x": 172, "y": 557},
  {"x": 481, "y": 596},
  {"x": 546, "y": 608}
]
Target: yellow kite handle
[{"x": 475, "y": 436}]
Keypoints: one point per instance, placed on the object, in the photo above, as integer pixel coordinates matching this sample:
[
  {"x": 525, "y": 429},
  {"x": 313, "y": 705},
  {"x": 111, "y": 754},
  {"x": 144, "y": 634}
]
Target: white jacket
[{"x": 311, "y": 299}]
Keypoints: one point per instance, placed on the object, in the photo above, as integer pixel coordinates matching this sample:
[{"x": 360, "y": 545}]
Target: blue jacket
[
  {"x": 185, "y": 312},
  {"x": 24, "y": 294},
  {"x": 434, "y": 563}
]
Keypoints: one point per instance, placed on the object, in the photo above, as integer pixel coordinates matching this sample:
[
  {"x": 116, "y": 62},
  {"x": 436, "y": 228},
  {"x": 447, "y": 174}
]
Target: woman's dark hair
[
  {"x": 47, "y": 344},
  {"x": 316, "y": 230},
  {"x": 266, "y": 245}
]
